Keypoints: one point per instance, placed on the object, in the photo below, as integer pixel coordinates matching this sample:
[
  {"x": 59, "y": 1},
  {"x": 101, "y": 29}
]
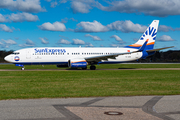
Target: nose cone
[{"x": 8, "y": 58}]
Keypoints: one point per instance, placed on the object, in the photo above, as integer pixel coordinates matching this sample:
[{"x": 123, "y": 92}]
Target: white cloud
[
  {"x": 22, "y": 5},
  {"x": 94, "y": 37},
  {"x": 101, "y": 45},
  {"x": 65, "y": 20},
  {"x": 73, "y": 19},
  {"x": 79, "y": 6},
  {"x": 136, "y": 39},
  {"x": 53, "y": 4},
  {"x": 83, "y": 6},
  {"x": 63, "y": 1},
  {"x": 117, "y": 45},
  {"x": 127, "y": 26},
  {"x": 89, "y": 45},
  {"x": 5, "y": 28},
  {"x": 91, "y": 27},
  {"x": 165, "y": 38},
  {"x": 63, "y": 41},
  {"x": 113, "y": 45},
  {"x": 123, "y": 26},
  {"x": 44, "y": 40},
  {"x": 9, "y": 41},
  {"x": 164, "y": 28},
  {"x": 20, "y": 17},
  {"x": 29, "y": 43},
  {"x": 116, "y": 37},
  {"x": 56, "y": 26},
  {"x": 78, "y": 42},
  {"x": 159, "y": 8},
  {"x": 2, "y": 18}
]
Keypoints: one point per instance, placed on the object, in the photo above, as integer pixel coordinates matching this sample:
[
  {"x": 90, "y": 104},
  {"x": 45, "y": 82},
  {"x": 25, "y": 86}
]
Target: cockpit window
[{"x": 15, "y": 53}]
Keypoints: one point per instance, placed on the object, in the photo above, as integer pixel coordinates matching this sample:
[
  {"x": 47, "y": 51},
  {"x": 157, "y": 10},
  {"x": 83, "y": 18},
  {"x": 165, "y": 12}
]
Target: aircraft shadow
[{"x": 126, "y": 68}]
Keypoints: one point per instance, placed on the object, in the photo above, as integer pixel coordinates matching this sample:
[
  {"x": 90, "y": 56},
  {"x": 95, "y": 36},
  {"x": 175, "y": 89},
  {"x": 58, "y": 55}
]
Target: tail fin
[{"x": 149, "y": 34}]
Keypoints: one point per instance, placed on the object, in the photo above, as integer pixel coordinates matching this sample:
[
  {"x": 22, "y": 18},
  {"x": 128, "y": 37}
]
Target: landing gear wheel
[
  {"x": 22, "y": 68},
  {"x": 92, "y": 67},
  {"x": 84, "y": 68}
]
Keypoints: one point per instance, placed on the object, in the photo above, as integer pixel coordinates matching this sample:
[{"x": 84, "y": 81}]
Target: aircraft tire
[{"x": 92, "y": 67}]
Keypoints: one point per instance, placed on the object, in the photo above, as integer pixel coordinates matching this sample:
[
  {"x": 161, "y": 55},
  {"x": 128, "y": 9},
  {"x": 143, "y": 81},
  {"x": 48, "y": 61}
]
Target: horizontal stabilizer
[{"x": 153, "y": 50}]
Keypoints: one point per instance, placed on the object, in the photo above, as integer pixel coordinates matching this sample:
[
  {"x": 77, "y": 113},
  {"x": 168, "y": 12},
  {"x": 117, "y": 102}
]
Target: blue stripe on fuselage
[
  {"x": 148, "y": 47},
  {"x": 42, "y": 63}
]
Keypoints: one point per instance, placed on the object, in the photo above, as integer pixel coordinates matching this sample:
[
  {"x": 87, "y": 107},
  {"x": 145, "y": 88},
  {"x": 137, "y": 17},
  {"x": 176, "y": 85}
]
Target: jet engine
[{"x": 77, "y": 63}]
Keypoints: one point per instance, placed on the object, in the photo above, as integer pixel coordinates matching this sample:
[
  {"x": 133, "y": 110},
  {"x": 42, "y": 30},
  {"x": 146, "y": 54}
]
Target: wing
[
  {"x": 153, "y": 50},
  {"x": 113, "y": 56},
  {"x": 105, "y": 57}
]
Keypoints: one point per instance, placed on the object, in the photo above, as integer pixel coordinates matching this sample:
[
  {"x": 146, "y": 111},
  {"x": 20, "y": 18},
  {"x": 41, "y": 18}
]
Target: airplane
[{"x": 82, "y": 57}]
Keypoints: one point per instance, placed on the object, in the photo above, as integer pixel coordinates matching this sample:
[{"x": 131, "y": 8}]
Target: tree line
[
  {"x": 159, "y": 56},
  {"x": 3, "y": 54},
  {"x": 163, "y": 57}
]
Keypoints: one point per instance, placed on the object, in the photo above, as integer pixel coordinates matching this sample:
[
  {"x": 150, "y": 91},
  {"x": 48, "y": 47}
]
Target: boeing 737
[{"x": 82, "y": 57}]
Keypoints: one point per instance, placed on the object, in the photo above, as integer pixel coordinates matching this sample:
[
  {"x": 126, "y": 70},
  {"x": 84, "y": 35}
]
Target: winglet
[{"x": 143, "y": 46}]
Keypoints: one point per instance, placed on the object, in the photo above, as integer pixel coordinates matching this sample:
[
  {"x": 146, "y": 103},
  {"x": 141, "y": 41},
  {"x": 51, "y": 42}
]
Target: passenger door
[{"x": 28, "y": 54}]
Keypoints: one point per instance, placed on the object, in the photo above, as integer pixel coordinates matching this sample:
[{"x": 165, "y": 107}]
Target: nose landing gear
[
  {"x": 22, "y": 68},
  {"x": 20, "y": 65}
]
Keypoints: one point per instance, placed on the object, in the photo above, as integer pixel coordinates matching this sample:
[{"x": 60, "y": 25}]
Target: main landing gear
[{"x": 92, "y": 67}]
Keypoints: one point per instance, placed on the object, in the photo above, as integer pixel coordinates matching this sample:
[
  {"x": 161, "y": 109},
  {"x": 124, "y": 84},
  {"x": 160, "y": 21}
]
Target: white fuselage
[{"x": 52, "y": 55}]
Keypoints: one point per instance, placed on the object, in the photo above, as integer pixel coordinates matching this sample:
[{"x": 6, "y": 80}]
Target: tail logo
[{"x": 151, "y": 32}]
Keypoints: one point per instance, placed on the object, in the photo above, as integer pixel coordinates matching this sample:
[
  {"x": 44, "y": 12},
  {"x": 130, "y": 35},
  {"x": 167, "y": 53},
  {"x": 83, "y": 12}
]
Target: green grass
[
  {"x": 86, "y": 83},
  {"x": 105, "y": 66}
]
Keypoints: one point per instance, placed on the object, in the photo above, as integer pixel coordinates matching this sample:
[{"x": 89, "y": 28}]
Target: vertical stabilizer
[{"x": 149, "y": 34}]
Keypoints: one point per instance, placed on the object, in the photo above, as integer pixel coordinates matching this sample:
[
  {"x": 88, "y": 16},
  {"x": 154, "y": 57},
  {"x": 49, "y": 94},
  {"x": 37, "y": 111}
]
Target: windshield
[{"x": 15, "y": 53}]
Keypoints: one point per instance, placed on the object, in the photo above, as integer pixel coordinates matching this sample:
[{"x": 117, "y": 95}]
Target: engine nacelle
[{"x": 77, "y": 63}]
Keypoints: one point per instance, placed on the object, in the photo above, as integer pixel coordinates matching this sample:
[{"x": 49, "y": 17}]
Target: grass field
[
  {"x": 86, "y": 83},
  {"x": 105, "y": 66}
]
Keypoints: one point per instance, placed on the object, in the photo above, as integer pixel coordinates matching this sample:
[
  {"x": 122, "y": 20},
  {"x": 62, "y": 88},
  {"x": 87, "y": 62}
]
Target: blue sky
[{"x": 86, "y": 23}]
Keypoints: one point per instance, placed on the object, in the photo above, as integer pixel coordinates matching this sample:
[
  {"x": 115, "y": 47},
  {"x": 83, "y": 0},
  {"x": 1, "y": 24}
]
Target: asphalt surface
[{"x": 95, "y": 108}]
